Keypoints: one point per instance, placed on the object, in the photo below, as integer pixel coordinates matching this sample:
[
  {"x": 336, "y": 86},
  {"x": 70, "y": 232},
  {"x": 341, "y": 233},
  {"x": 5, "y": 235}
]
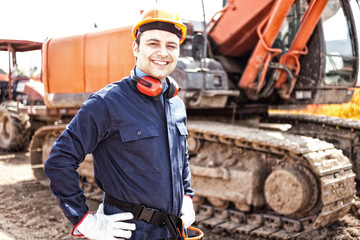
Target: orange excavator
[{"x": 269, "y": 175}]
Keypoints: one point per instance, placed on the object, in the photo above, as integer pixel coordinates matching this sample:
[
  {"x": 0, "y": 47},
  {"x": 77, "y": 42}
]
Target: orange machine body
[
  {"x": 75, "y": 66},
  {"x": 235, "y": 33}
]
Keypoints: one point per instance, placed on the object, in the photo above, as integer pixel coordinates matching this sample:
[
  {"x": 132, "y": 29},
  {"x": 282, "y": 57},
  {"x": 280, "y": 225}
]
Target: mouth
[{"x": 160, "y": 63}]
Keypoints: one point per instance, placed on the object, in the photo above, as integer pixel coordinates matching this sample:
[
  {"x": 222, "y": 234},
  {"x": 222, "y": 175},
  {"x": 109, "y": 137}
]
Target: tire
[{"x": 14, "y": 128}]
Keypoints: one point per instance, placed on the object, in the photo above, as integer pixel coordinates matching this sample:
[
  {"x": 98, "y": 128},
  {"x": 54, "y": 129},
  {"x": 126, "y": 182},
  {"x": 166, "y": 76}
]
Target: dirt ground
[{"x": 28, "y": 210}]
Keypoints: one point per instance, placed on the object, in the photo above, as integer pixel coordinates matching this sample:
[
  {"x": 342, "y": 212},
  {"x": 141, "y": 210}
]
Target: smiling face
[{"x": 157, "y": 53}]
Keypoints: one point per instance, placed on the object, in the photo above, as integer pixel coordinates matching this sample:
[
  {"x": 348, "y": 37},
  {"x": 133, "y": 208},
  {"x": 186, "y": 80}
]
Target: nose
[{"x": 162, "y": 52}]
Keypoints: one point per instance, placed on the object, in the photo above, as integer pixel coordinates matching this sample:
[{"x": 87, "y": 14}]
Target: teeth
[{"x": 160, "y": 62}]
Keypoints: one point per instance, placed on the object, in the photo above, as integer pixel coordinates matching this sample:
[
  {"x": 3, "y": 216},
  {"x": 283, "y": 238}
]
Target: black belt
[{"x": 149, "y": 215}]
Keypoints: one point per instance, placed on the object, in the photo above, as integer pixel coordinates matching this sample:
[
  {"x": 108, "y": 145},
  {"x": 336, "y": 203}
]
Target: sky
[{"x": 38, "y": 20}]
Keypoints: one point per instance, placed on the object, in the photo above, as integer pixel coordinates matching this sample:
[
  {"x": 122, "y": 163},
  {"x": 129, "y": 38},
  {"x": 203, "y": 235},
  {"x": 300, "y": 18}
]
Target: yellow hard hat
[{"x": 160, "y": 15}]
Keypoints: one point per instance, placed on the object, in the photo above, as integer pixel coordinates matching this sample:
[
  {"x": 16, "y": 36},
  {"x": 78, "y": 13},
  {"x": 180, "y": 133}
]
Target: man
[{"x": 136, "y": 132}]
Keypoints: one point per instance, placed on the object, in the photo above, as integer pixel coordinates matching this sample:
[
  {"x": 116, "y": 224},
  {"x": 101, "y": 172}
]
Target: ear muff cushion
[
  {"x": 149, "y": 86},
  {"x": 173, "y": 87}
]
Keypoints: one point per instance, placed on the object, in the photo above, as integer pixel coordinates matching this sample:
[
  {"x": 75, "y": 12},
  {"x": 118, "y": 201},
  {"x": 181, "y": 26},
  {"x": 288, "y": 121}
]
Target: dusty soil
[{"x": 28, "y": 210}]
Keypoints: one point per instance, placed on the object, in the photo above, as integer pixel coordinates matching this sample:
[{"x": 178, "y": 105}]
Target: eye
[
  {"x": 152, "y": 43},
  {"x": 172, "y": 46}
]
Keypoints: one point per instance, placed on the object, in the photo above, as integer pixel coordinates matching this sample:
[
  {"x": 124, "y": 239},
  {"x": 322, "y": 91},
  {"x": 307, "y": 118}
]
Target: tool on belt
[{"x": 154, "y": 216}]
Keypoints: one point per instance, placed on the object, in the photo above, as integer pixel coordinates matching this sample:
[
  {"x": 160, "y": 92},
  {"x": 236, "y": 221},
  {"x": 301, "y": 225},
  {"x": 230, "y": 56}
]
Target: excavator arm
[{"x": 255, "y": 29}]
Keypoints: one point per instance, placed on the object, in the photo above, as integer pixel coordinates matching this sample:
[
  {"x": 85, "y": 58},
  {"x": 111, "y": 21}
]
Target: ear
[{"x": 135, "y": 48}]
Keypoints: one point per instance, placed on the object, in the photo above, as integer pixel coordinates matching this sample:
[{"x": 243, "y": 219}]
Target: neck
[{"x": 140, "y": 74}]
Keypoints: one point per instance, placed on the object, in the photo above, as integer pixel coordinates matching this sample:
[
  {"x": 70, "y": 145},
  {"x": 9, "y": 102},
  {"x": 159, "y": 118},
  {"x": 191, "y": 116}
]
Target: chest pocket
[{"x": 140, "y": 143}]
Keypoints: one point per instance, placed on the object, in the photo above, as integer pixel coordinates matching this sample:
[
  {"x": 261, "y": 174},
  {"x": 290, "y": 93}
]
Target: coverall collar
[{"x": 140, "y": 74}]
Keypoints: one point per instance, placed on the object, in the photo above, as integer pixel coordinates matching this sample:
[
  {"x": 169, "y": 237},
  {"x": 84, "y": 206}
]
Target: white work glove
[
  {"x": 187, "y": 212},
  {"x": 105, "y": 227}
]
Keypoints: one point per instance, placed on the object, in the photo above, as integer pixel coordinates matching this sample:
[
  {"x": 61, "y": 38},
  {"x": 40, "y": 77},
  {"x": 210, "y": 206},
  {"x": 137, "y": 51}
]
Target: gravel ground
[{"x": 28, "y": 210}]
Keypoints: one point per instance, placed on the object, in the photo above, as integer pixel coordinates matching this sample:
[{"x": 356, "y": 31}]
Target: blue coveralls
[{"x": 139, "y": 149}]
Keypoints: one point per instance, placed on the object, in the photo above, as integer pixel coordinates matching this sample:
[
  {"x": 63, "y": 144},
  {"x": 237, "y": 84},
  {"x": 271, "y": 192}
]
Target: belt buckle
[{"x": 146, "y": 214}]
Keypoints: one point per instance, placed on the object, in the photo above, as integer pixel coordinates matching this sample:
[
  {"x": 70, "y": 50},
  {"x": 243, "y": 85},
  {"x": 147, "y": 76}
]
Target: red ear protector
[
  {"x": 173, "y": 89},
  {"x": 152, "y": 87}
]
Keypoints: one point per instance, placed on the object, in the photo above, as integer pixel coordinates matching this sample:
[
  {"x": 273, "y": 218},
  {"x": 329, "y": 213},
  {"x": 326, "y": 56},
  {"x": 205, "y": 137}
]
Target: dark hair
[{"x": 138, "y": 38}]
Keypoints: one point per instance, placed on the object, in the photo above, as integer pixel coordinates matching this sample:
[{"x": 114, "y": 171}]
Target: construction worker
[{"x": 136, "y": 131}]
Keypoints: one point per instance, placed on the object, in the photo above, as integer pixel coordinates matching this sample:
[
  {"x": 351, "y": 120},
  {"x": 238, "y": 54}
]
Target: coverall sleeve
[{"x": 81, "y": 136}]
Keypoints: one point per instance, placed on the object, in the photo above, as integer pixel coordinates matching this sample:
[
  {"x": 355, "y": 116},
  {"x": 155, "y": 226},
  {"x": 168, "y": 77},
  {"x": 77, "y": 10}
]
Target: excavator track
[
  {"x": 343, "y": 133},
  {"x": 40, "y": 147},
  {"x": 332, "y": 170}
]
